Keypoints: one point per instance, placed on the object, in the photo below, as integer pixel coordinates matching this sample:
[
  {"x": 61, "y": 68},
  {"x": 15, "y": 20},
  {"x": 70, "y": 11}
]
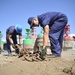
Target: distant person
[
  {"x": 11, "y": 37},
  {"x": 53, "y": 24},
  {"x": 74, "y": 38}
]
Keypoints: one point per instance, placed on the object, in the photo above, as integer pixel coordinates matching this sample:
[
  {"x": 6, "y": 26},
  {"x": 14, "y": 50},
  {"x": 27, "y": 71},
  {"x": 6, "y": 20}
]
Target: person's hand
[
  {"x": 13, "y": 45},
  {"x": 43, "y": 53},
  {"x": 18, "y": 45}
]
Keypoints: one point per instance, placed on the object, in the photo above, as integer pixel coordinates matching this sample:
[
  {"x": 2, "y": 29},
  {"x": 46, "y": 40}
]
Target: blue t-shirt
[
  {"x": 11, "y": 30},
  {"x": 50, "y": 17}
]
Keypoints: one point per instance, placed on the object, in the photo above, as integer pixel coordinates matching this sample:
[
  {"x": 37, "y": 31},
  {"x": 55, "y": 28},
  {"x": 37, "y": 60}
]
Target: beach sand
[{"x": 65, "y": 65}]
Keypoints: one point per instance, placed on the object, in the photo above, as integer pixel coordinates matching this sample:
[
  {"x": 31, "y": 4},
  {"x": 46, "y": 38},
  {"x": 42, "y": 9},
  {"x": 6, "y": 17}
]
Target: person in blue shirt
[
  {"x": 11, "y": 37},
  {"x": 53, "y": 24}
]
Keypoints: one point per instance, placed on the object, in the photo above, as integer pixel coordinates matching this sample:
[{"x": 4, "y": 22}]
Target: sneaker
[{"x": 53, "y": 56}]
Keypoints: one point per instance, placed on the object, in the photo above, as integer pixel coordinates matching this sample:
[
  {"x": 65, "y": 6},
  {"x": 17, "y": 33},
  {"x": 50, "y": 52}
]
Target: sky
[{"x": 14, "y": 12}]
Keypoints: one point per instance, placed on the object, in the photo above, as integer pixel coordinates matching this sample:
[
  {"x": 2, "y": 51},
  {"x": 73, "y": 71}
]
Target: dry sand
[{"x": 12, "y": 65}]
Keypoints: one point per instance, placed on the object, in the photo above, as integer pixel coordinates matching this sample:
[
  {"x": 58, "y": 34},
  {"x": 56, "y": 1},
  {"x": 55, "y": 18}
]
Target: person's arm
[
  {"x": 9, "y": 38},
  {"x": 46, "y": 35},
  {"x": 20, "y": 40}
]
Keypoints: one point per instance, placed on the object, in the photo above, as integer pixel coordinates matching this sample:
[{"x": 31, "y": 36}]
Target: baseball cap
[{"x": 30, "y": 21}]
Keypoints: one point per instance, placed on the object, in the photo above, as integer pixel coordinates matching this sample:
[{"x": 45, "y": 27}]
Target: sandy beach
[{"x": 65, "y": 65}]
